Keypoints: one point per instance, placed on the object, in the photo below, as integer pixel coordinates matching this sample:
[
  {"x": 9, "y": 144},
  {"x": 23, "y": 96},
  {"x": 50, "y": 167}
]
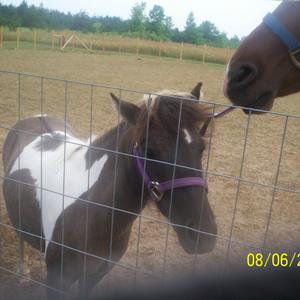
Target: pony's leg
[
  {"x": 90, "y": 280},
  {"x": 23, "y": 268},
  {"x": 21, "y": 262},
  {"x": 58, "y": 285}
]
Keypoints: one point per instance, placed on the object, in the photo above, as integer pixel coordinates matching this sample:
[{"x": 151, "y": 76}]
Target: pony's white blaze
[
  {"x": 50, "y": 176},
  {"x": 187, "y": 136}
]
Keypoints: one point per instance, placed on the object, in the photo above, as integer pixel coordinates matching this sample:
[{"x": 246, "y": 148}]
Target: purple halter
[{"x": 157, "y": 189}]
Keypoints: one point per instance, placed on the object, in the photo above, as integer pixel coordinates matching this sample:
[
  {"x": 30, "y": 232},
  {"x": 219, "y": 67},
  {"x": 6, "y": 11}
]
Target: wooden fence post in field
[
  {"x": 181, "y": 51},
  {"x": 18, "y": 37},
  {"x": 62, "y": 40},
  {"x": 1, "y": 37},
  {"x": 137, "y": 47},
  {"x": 52, "y": 39},
  {"x": 120, "y": 47},
  {"x": 159, "y": 53},
  {"x": 204, "y": 54},
  {"x": 34, "y": 39},
  {"x": 103, "y": 47}
]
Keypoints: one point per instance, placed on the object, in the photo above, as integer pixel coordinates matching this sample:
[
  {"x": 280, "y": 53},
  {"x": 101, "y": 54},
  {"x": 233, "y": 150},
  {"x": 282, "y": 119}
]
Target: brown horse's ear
[
  {"x": 128, "y": 111},
  {"x": 197, "y": 90}
]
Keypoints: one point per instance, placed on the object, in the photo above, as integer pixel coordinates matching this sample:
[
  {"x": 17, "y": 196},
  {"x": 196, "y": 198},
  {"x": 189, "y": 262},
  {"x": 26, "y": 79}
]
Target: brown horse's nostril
[{"x": 242, "y": 76}]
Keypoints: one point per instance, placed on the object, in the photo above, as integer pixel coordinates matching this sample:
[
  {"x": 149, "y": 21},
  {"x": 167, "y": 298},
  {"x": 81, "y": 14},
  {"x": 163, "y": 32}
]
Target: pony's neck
[{"x": 128, "y": 183}]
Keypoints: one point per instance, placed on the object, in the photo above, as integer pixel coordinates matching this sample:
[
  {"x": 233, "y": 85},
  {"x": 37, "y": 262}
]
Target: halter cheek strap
[
  {"x": 285, "y": 36},
  {"x": 157, "y": 189}
]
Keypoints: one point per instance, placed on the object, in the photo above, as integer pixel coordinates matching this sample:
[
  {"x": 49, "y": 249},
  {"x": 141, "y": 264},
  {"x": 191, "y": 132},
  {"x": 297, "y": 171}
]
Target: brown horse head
[
  {"x": 173, "y": 137},
  {"x": 262, "y": 69}
]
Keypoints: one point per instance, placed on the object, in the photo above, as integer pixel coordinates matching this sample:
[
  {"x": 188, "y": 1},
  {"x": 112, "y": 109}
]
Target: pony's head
[{"x": 167, "y": 128}]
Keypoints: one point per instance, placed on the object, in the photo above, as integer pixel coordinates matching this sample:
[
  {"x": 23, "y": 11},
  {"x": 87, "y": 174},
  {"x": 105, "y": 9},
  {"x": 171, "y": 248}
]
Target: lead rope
[{"x": 215, "y": 115}]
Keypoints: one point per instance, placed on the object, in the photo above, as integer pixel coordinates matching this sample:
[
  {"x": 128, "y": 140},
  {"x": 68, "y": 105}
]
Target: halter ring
[
  {"x": 154, "y": 189},
  {"x": 295, "y": 56}
]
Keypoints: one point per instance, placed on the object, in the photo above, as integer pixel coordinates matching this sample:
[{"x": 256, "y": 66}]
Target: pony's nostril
[{"x": 242, "y": 76}]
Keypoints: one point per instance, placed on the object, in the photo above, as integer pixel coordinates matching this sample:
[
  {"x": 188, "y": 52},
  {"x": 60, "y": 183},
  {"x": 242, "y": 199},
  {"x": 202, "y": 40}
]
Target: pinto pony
[
  {"x": 65, "y": 191},
  {"x": 267, "y": 63}
]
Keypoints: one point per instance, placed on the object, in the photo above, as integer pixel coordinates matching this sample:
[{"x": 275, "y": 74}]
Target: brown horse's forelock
[{"x": 164, "y": 115}]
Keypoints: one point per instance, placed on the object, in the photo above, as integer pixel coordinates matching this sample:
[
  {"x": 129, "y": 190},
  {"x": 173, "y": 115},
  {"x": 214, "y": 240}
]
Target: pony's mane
[
  {"x": 166, "y": 106},
  {"x": 164, "y": 110}
]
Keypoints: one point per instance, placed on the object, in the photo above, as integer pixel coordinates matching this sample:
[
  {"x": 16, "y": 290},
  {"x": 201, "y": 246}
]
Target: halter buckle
[
  {"x": 154, "y": 189},
  {"x": 295, "y": 56}
]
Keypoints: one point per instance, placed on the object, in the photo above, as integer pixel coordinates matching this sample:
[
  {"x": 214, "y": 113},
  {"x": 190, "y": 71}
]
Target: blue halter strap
[{"x": 285, "y": 36}]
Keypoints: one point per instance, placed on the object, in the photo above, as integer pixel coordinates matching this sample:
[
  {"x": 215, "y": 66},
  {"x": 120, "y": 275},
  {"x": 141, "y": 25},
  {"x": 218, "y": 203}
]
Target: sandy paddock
[{"x": 249, "y": 198}]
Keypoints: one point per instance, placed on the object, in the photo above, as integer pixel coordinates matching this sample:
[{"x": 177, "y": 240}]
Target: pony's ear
[
  {"x": 197, "y": 90},
  {"x": 128, "y": 111}
]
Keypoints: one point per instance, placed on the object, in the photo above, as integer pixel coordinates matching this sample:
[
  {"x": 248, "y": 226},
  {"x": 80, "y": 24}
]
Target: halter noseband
[
  {"x": 157, "y": 189},
  {"x": 285, "y": 36}
]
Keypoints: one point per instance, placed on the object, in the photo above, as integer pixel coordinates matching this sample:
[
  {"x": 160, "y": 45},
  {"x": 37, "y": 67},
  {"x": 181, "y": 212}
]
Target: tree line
[{"x": 155, "y": 25}]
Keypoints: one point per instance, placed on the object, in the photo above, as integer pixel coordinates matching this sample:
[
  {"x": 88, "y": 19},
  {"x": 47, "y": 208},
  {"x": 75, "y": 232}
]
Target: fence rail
[{"x": 24, "y": 38}]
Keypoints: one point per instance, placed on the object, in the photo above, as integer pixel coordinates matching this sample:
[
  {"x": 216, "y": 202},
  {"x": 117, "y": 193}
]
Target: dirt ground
[{"x": 242, "y": 208}]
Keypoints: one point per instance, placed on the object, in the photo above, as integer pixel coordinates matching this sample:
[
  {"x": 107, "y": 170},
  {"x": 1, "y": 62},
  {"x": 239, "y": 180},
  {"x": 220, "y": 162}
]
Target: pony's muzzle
[{"x": 200, "y": 240}]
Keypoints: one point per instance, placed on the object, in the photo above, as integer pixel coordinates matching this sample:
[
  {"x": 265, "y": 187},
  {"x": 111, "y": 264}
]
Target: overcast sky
[{"x": 232, "y": 16}]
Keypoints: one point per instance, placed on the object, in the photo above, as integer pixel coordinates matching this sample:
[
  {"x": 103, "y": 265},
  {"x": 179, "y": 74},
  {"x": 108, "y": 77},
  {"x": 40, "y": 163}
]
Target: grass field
[
  {"x": 250, "y": 201},
  {"x": 107, "y": 43}
]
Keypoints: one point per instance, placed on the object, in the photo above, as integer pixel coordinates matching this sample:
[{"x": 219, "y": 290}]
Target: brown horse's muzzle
[{"x": 240, "y": 87}]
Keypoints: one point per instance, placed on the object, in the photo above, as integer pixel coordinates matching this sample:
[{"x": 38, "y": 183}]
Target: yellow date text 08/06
[{"x": 263, "y": 260}]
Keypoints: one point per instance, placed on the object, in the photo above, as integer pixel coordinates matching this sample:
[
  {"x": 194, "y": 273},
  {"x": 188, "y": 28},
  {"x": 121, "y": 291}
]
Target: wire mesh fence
[{"x": 251, "y": 165}]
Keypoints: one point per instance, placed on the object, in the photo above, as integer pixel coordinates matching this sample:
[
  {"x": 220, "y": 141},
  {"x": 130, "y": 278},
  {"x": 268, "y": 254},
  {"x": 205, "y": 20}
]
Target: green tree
[
  {"x": 209, "y": 32},
  {"x": 168, "y": 26},
  {"x": 138, "y": 18},
  {"x": 97, "y": 27},
  {"x": 157, "y": 27},
  {"x": 156, "y": 20},
  {"x": 191, "y": 34},
  {"x": 234, "y": 42}
]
